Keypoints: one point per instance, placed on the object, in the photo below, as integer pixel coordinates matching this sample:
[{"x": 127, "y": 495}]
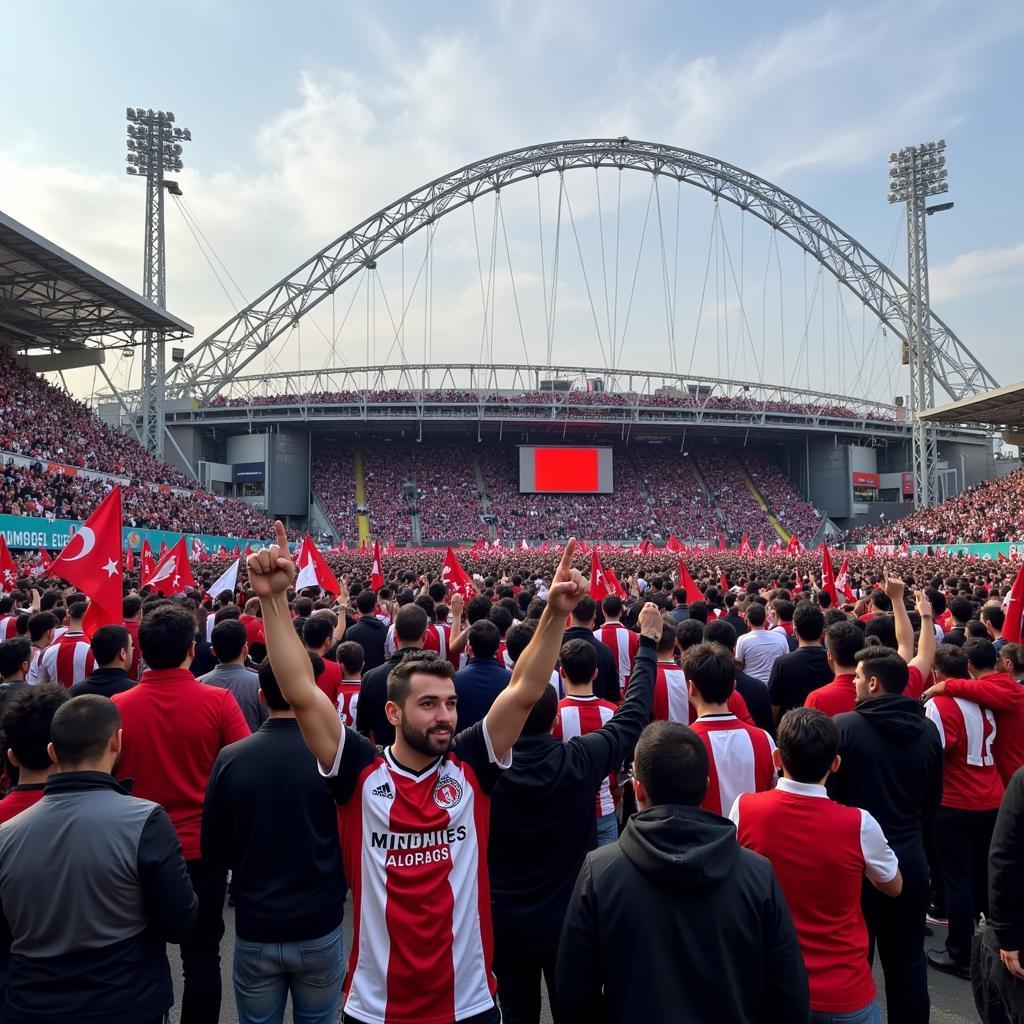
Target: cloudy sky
[{"x": 308, "y": 117}]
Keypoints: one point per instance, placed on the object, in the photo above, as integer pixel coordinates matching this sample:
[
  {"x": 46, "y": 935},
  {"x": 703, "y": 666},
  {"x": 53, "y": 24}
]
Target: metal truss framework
[{"x": 215, "y": 362}]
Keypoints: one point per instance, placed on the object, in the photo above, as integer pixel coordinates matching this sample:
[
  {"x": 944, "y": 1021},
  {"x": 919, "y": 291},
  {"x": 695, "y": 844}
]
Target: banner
[
  {"x": 985, "y": 551},
  {"x": 28, "y": 532}
]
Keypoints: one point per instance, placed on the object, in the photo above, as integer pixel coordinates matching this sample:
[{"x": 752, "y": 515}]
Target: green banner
[
  {"x": 985, "y": 551},
  {"x": 22, "y": 532}
]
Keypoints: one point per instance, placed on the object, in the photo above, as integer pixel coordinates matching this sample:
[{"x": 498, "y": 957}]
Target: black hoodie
[
  {"x": 677, "y": 922},
  {"x": 891, "y": 767}
]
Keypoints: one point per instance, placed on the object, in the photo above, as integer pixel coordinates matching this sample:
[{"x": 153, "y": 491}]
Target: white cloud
[{"x": 977, "y": 272}]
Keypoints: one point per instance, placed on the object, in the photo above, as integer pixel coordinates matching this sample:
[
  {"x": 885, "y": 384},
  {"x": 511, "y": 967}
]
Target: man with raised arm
[{"x": 415, "y": 816}]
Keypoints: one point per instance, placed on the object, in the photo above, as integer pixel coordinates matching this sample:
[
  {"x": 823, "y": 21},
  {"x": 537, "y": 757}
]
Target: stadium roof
[
  {"x": 1002, "y": 407},
  {"x": 51, "y": 300}
]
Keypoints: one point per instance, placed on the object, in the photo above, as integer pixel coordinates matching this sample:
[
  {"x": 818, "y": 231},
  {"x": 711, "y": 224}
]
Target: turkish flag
[
  {"x": 599, "y": 588},
  {"x": 313, "y": 569},
  {"x": 129, "y": 558},
  {"x": 92, "y": 562},
  {"x": 843, "y": 582},
  {"x": 8, "y": 570},
  {"x": 42, "y": 566},
  {"x": 1014, "y": 608},
  {"x": 613, "y": 581},
  {"x": 828, "y": 575},
  {"x": 146, "y": 561},
  {"x": 672, "y": 544},
  {"x": 745, "y": 548},
  {"x": 686, "y": 582},
  {"x": 173, "y": 574},
  {"x": 455, "y": 578},
  {"x": 376, "y": 574},
  {"x": 794, "y": 547}
]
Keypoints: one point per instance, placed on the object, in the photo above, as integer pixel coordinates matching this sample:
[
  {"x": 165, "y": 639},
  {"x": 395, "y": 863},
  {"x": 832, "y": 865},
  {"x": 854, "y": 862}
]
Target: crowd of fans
[
  {"x": 795, "y": 514},
  {"x": 334, "y": 483},
  {"x": 989, "y": 512}
]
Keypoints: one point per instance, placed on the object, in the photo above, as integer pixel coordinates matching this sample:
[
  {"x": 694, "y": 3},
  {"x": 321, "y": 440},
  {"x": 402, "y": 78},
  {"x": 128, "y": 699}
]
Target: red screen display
[{"x": 565, "y": 469}]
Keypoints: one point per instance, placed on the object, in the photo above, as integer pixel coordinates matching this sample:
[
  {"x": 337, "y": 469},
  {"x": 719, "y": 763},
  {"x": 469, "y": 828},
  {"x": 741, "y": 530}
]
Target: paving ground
[{"x": 951, "y": 997}]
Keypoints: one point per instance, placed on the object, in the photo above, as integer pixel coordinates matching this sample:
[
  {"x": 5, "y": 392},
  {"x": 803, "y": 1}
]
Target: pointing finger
[
  {"x": 281, "y": 535},
  {"x": 568, "y": 553}
]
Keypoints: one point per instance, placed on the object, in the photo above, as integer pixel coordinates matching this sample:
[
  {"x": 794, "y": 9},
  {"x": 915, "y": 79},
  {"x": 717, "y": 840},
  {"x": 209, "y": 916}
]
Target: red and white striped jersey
[
  {"x": 348, "y": 701},
  {"x": 414, "y": 846},
  {"x": 970, "y": 779},
  {"x": 8, "y": 627},
  {"x": 672, "y": 702},
  {"x": 623, "y": 643},
  {"x": 436, "y": 638},
  {"x": 66, "y": 661},
  {"x": 578, "y": 716},
  {"x": 739, "y": 760}
]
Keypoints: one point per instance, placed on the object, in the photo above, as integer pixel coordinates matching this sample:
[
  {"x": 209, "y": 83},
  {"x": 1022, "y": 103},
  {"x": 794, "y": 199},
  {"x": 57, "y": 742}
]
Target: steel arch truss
[{"x": 215, "y": 362}]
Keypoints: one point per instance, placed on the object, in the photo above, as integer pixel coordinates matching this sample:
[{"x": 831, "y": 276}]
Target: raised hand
[
  {"x": 650, "y": 621},
  {"x": 568, "y": 585},
  {"x": 894, "y": 587},
  {"x": 458, "y": 602},
  {"x": 924, "y": 605},
  {"x": 272, "y": 570}
]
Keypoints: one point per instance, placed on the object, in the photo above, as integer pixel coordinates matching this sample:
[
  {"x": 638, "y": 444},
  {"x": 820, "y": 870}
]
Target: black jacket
[
  {"x": 737, "y": 622},
  {"x": 606, "y": 685},
  {"x": 891, "y": 767},
  {"x": 261, "y": 789},
  {"x": 755, "y": 694},
  {"x": 373, "y": 695},
  {"x": 93, "y": 885},
  {"x": 544, "y": 804},
  {"x": 1006, "y": 868},
  {"x": 677, "y": 922},
  {"x": 370, "y": 633},
  {"x": 795, "y": 675},
  {"x": 105, "y": 682}
]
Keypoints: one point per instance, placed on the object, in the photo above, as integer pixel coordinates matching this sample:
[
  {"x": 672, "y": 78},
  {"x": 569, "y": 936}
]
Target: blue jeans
[
  {"x": 871, "y": 1014},
  {"x": 265, "y": 972},
  {"x": 607, "y": 830}
]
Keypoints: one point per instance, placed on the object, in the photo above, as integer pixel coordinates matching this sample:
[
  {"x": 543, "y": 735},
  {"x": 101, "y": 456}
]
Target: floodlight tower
[
  {"x": 915, "y": 173},
  {"x": 154, "y": 146}
]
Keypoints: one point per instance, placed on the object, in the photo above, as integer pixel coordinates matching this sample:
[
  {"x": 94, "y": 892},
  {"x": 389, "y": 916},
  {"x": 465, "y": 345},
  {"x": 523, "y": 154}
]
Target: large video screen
[{"x": 565, "y": 470}]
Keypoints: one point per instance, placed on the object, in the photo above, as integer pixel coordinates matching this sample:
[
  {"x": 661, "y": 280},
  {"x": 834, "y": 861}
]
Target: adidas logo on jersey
[{"x": 385, "y": 791}]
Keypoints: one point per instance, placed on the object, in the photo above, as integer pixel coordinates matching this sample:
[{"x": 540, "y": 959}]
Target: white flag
[{"x": 228, "y": 581}]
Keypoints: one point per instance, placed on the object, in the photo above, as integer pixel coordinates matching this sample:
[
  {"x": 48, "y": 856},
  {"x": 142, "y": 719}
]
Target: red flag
[
  {"x": 613, "y": 581},
  {"x": 1014, "y": 608},
  {"x": 828, "y": 575},
  {"x": 173, "y": 574},
  {"x": 672, "y": 544},
  {"x": 8, "y": 570},
  {"x": 721, "y": 543},
  {"x": 146, "y": 561},
  {"x": 313, "y": 569},
  {"x": 222, "y": 552},
  {"x": 723, "y": 582},
  {"x": 645, "y": 548},
  {"x": 248, "y": 549},
  {"x": 686, "y": 582},
  {"x": 794, "y": 547},
  {"x": 238, "y": 551},
  {"x": 843, "y": 582},
  {"x": 129, "y": 558},
  {"x": 599, "y": 588},
  {"x": 376, "y": 573},
  {"x": 870, "y": 550},
  {"x": 92, "y": 562},
  {"x": 745, "y": 548},
  {"x": 163, "y": 548},
  {"x": 455, "y": 578},
  {"x": 760, "y": 552}
]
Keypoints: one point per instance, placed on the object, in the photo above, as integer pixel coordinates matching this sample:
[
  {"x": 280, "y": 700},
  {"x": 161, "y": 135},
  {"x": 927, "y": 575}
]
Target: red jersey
[
  {"x": 254, "y": 633},
  {"x": 672, "y": 702},
  {"x": 821, "y": 851},
  {"x": 578, "y": 716},
  {"x": 348, "y": 701},
  {"x": 623, "y": 643},
  {"x": 174, "y": 727},
  {"x": 8, "y": 627},
  {"x": 66, "y": 661},
  {"x": 1005, "y": 696},
  {"x": 20, "y": 798},
  {"x": 414, "y": 847},
  {"x": 834, "y": 698},
  {"x": 133, "y": 631},
  {"x": 970, "y": 779},
  {"x": 329, "y": 680},
  {"x": 739, "y": 760}
]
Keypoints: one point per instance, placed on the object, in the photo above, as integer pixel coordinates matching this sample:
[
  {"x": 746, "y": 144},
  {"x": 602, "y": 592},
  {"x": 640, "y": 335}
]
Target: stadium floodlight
[
  {"x": 915, "y": 173},
  {"x": 154, "y": 147}
]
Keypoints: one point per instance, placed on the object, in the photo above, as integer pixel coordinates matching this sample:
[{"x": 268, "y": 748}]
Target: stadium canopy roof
[
  {"x": 52, "y": 302},
  {"x": 1001, "y": 408}
]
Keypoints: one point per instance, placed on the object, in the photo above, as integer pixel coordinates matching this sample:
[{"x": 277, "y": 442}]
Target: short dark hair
[
  {"x": 26, "y": 723},
  {"x": 437, "y": 591},
  {"x": 40, "y": 623},
  {"x": 579, "y": 661},
  {"x": 843, "y": 640},
  {"x": 81, "y": 728},
  {"x": 227, "y": 640},
  {"x": 808, "y": 621},
  {"x": 884, "y": 628},
  {"x": 165, "y": 635},
  {"x": 718, "y": 631},
  {"x": 502, "y": 618},
  {"x": 478, "y": 608},
  {"x": 131, "y": 605},
  {"x": 366, "y": 601},
  {"x": 756, "y": 613},
  {"x": 272, "y": 695},
  {"x": 689, "y": 632},
  {"x": 808, "y": 744},
  {"x": 612, "y": 606},
  {"x": 350, "y": 655},
  {"x": 886, "y": 666},
  {"x": 518, "y": 638},
  {"x": 586, "y": 610},
  {"x": 976, "y": 628},
  {"x": 994, "y": 616},
  {"x": 13, "y": 654},
  {"x": 424, "y": 663},
  {"x": 317, "y": 630},
  {"x": 667, "y": 640},
  {"x": 484, "y": 638},
  {"x": 783, "y": 608},
  {"x": 981, "y": 654},
  {"x": 542, "y": 714},
  {"x": 77, "y": 607},
  {"x": 699, "y": 611},
  {"x": 671, "y": 763},
  {"x": 410, "y": 623},
  {"x": 108, "y": 642},
  {"x": 951, "y": 661},
  {"x": 228, "y": 611},
  {"x": 1014, "y": 654},
  {"x": 710, "y": 668}
]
